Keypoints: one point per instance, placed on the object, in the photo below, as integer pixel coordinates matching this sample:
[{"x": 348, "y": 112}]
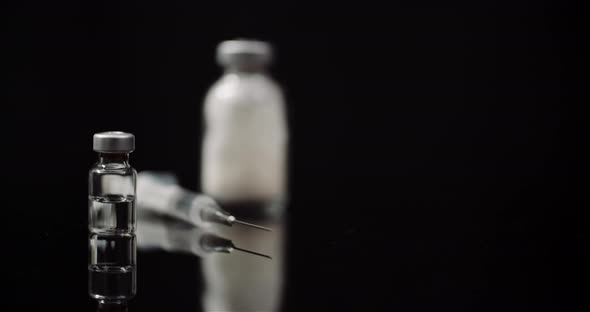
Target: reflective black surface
[{"x": 436, "y": 154}]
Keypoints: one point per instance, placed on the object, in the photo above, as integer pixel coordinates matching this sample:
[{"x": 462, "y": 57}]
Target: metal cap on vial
[{"x": 113, "y": 142}]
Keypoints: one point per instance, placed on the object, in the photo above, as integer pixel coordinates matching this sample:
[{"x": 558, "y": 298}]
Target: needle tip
[
  {"x": 253, "y": 225},
  {"x": 253, "y": 252}
]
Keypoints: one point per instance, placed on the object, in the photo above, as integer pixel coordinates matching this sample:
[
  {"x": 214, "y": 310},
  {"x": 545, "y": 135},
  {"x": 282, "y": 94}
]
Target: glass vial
[
  {"x": 111, "y": 220},
  {"x": 244, "y": 168}
]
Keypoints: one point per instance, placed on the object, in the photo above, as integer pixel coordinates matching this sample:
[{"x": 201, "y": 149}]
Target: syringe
[
  {"x": 160, "y": 193},
  {"x": 162, "y": 233}
]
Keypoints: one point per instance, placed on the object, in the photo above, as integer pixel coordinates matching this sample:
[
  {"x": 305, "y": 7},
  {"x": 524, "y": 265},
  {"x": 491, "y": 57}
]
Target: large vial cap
[
  {"x": 244, "y": 53},
  {"x": 113, "y": 142}
]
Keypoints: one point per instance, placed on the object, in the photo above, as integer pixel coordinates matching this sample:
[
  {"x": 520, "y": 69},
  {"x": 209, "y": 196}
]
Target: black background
[{"x": 435, "y": 155}]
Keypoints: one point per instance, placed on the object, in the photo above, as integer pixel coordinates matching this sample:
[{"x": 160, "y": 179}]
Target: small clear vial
[{"x": 111, "y": 220}]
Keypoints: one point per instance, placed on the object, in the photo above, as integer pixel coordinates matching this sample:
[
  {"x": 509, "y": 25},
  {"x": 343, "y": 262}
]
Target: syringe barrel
[{"x": 160, "y": 193}]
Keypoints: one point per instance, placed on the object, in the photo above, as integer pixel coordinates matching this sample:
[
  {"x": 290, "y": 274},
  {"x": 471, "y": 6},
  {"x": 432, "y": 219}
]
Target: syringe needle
[
  {"x": 217, "y": 215},
  {"x": 252, "y": 252},
  {"x": 253, "y": 225}
]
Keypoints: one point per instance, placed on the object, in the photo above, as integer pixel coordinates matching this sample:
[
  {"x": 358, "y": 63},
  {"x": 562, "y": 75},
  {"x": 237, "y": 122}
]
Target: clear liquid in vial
[
  {"x": 112, "y": 283},
  {"x": 112, "y": 213},
  {"x": 111, "y": 270}
]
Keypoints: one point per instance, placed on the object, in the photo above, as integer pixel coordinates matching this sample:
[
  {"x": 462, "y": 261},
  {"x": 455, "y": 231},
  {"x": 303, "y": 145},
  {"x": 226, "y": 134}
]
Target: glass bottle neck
[
  {"x": 113, "y": 158},
  {"x": 245, "y": 69}
]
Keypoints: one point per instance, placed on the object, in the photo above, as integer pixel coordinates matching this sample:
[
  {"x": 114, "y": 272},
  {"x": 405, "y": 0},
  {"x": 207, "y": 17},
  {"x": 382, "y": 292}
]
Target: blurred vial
[
  {"x": 111, "y": 220},
  {"x": 244, "y": 170}
]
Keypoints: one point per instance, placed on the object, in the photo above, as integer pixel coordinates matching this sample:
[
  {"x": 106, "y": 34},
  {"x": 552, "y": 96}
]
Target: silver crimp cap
[{"x": 114, "y": 142}]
